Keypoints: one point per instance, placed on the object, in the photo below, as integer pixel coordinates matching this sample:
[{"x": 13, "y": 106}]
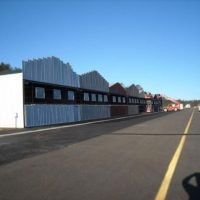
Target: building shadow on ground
[{"x": 191, "y": 184}]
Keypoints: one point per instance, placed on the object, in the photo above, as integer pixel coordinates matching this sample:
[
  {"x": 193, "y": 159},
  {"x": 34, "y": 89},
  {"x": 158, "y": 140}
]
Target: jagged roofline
[
  {"x": 46, "y": 58},
  {"x": 132, "y": 86},
  {"x": 93, "y": 72},
  {"x": 84, "y": 74},
  {"x": 117, "y": 83}
]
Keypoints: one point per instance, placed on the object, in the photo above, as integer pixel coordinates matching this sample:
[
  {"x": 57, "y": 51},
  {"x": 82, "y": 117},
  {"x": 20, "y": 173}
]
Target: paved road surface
[{"x": 119, "y": 160}]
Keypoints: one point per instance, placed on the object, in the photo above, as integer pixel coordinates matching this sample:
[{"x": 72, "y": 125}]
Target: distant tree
[
  {"x": 7, "y": 69},
  {"x": 194, "y": 102},
  {"x": 4, "y": 67}
]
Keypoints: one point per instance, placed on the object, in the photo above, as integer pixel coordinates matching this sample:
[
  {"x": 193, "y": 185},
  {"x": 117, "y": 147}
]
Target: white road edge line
[{"x": 65, "y": 126}]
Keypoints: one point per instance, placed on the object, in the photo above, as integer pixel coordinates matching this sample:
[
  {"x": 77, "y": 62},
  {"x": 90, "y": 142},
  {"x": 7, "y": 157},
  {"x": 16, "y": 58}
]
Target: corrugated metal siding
[
  {"x": 132, "y": 91},
  {"x": 89, "y": 112},
  {"x": 141, "y": 91},
  {"x": 142, "y": 94},
  {"x": 117, "y": 88},
  {"x": 94, "y": 81},
  {"x": 50, "y": 70},
  {"x": 43, "y": 114},
  {"x": 133, "y": 109}
]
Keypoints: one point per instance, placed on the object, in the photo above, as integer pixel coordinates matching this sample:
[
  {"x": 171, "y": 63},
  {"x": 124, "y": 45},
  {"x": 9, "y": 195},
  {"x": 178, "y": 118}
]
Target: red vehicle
[
  {"x": 172, "y": 104},
  {"x": 172, "y": 107}
]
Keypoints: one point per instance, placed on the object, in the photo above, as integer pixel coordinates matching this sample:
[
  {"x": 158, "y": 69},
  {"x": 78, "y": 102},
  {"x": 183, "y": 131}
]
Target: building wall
[
  {"x": 132, "y": 91},
  {"x": 95, "y": 82},
  {"x": 50, "y": 70},
  {"x": 90, "y": 112},
  {"x": 142, "y": 95},
  {"x": 52, "y": 75},
  {"x": 47, "y": 114},
  {"x": 11, "y": 101},
  {"x": 118, "y": 110},
  {"x": 133, "y": 109},
  {"x": 117, "y": 88},
  {"x": 141, "y": 91},
  {"x": 53, "y": 71}
]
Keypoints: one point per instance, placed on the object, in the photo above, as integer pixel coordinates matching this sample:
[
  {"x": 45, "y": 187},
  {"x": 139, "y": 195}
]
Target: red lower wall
[{"x": 118, "y": 111}]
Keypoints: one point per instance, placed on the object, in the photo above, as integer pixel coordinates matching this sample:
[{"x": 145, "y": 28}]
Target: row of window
[
  {"x": 89, "y": 97},
  {"x": 118, "y": 99},
  {"x": 136, "y": 101},
  {"x": 40, "y": 94},
  {"x": 95, "y": 97}
]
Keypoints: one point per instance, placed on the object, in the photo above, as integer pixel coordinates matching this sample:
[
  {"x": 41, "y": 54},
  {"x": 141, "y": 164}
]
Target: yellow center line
[{"x": 162, "y": 192}]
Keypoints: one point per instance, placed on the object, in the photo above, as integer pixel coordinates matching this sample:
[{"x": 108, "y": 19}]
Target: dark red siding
[
  {"x": 118, "y": 110},
  {"x": 117, "y": 89}
]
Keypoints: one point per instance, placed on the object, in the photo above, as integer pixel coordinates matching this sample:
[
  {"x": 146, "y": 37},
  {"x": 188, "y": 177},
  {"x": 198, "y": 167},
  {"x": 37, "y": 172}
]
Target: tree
[
  {"x": 7, "y": 69},
  {"x": 4, "y": 67}
]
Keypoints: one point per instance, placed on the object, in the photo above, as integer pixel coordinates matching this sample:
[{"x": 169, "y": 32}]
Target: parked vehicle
[
  {"x": 172, "y": 104},
  {"x": 188, "y": 106}
]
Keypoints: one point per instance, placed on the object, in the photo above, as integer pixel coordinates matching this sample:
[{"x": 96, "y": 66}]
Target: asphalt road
[{"x": 119, "y": 160}]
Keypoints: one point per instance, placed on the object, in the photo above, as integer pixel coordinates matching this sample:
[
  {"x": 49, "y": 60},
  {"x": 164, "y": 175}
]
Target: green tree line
[
  {"x": 7, "y": 69},
  {"x": 193, "y": 103}
]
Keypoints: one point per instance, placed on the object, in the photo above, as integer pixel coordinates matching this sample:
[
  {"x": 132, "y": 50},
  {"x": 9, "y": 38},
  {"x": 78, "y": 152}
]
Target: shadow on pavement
[{"x": 191, "y": 184}]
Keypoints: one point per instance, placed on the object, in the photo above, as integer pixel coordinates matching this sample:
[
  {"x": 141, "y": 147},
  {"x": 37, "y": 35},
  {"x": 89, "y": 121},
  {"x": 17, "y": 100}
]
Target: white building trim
[{"x": 11, "y": 101}]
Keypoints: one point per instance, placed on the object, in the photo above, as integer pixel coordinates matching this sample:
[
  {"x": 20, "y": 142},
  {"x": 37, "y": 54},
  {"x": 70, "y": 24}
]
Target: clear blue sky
[{"x": 155, "y": 43}]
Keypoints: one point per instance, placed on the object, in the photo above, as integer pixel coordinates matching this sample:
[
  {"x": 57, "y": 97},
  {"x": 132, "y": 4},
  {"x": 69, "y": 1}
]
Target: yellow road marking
[{"x": 162, "y": 192}]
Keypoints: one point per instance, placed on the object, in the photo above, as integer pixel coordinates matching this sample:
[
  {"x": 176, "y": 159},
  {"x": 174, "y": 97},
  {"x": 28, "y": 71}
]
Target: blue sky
[{"x": 154, "y": 43}]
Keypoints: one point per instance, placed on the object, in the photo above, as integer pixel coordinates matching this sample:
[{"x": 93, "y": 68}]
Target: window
[
  {"x": 100, "y": 97},
  {"x": 86, "y": 96},
  {"x": 119, "y": 99},
  {"x": 39, "y": 93},
  {"x": 105, "y": 98},
  {"x": 94, "y": 97},
  {"x": 123, "y": 99},
  {"x": 56, "y": 94},
  {"x": 70, "y": 95},
  {"x": 114, "y": 99},
  {"x": 149, "y": 102},
  {"x": 130, "y": 100},
  {"x": 135, "y": 101}
]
